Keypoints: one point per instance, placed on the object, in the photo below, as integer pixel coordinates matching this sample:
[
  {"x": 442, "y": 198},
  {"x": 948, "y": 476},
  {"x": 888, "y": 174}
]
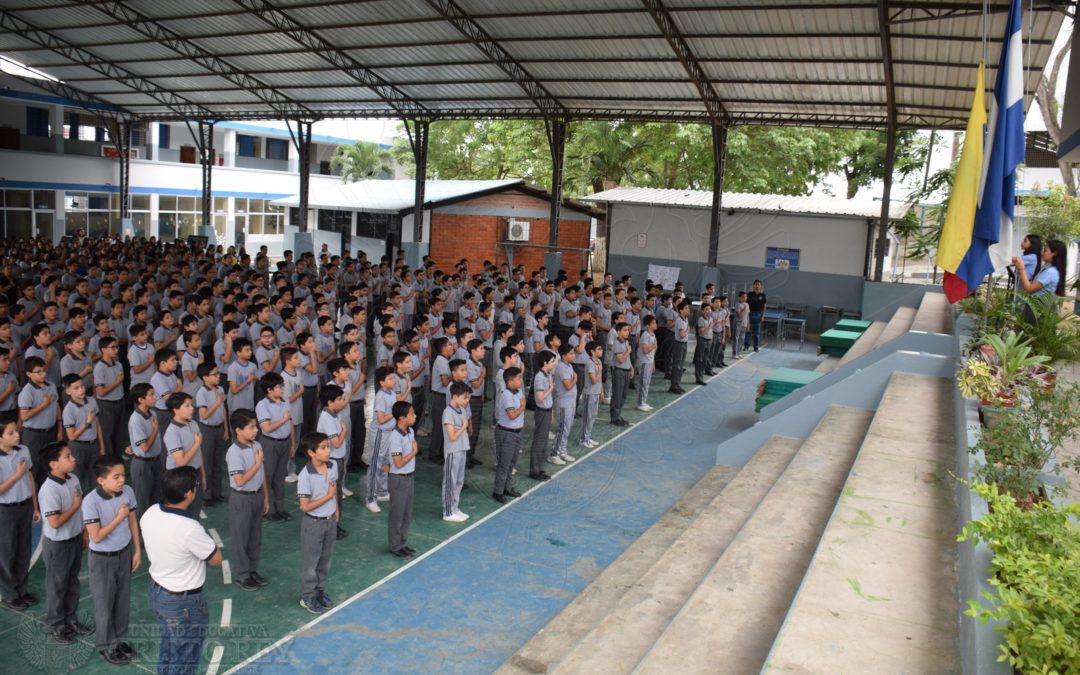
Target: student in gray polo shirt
[
  {"x": 401, "y": 465},
  {"x": 18, "y": 511},
  {"x": 109, "y": 393},
  {"x": 60, "y": 499},
  {"x": 145, "y": 448},
  {"x": 183, "y": 445},
  {"x": 565, "y": 403},
  {"x": 108, "y": 513},
  {"x": 543, "y": 393},
  {"x": 38, "y": 411},
  {"x": 509, "y": 421},
  {"x": 275, "y": 423},
  {"x": 82, "y": 429},
  {"x": 210, "y": 404},
  {"x": 316, "y": 487},
  {"x": 250, "y": 500}
]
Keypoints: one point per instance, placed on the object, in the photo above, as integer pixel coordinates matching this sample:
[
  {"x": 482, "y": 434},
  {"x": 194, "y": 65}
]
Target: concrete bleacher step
[
  {"x": 864, "y": 344},
  {"x": 828, "y": 365},
  {"x": 899, "y": 324},
  {"x": 557, "y": 638},
  {"x": 730, "y": 621},
  {"x": 934, "y": 314},
  {"x": 880, "y": 593},
  {"x": 618, "y": 641}
]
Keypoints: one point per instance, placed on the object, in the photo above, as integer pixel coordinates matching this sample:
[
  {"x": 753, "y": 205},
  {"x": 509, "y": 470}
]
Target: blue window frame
[
  {"x": 277, "y": 148},
  {"x": 37, "y": 122}
]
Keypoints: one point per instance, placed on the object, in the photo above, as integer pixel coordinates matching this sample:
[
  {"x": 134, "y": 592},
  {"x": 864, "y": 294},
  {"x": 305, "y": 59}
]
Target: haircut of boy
[
  {"x": 210, "y": 406},
  {"x": 455, "y": 430},
  {"x": 400, "y": 465},
  {"x": 60, "y": 498},
  {"x": 383, "y": 423},
  {"x": 109, "y": 392},
  {"x": 316, "y": 488},
  {"x": 82, "y": 429},
  {"x": 18, "y": 512},
  {"x": 543, "y": 393},
  {"x": 183, "y": 445},
  {"x": 646, "y": 360},
  {"x": 250, "y": 500},
  {"x": 276, "y": 433},
  {"x": 108, "y": 513},
  {"x": 565, "y": 404},
  {"x": 333, "y": 423},
  {"x": 509, "y": 421}
]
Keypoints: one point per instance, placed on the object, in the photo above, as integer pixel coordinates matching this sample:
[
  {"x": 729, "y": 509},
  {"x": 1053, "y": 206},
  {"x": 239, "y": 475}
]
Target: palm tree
[{"x": 359, "y": 161}]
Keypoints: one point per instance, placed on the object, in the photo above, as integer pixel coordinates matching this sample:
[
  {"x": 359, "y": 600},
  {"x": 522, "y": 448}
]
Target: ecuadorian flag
[{"x": 970, "y": 249}]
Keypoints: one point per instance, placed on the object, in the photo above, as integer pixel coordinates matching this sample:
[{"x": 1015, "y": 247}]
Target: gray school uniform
[
  {"x": 590, "y": 400},
  {"x": 7, "y": 379},
  {"x": 213, "y": 439},
  {"x": 324, "y": 343},
  {"x": 318, "y": 528},
  {"x": 41, "y": 428},
  {"x": 376, "y": 479},
  {"x": 62, "y": 550},
  {"x": 440, "y": 367},
  {"x": 189, "y": 363},
  {"x": 16, "y": 513},
  {"x": 507, "y": 438},
  {"x": 565, "y": 404},
  {"x": 400, "y": 484},
  {"x": 178, "y": 438},
  {"x": 454, "y": 467},
  {"x": 263, "y": 355},
  {"x": 245, "y": 398},
  {"x": 69, "y": 364},
  {"x": 245, "y": 509},
  {"x": 167, "y": 335},
  {"x": 275, "y": 448},
  {"x": 137, "y": 356},
  {"x": 85, "y": 445},
  {"x": 646, "y": 364},
  {"x": 110, "y": 565},
  {"x": 293, "y": 384},
  {"x": 620, "y": 376},
  {"x": 219, "y": 357},
  {"x": 164, "y": 386},
  {"x": 285, "y": 337},
  {"x": 384, "y": 356},
  {"x": 542, "y": 382},
  {"x": 54, "y": 366}
]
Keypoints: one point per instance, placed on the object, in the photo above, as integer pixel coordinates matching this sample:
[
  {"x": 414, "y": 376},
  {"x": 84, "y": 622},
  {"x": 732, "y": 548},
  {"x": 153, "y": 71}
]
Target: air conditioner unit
[{"x": 517, "y": 230}]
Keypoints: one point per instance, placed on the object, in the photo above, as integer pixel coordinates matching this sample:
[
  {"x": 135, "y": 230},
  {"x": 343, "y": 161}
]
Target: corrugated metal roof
[
  {"x": 809, "y": 62},
  {"x": 391, "y": 196},
  {"x": 747, "y": 201}
]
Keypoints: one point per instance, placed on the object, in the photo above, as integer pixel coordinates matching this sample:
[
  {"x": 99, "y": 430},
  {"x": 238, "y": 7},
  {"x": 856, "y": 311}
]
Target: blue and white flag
[{"x": 992, "y": 244}]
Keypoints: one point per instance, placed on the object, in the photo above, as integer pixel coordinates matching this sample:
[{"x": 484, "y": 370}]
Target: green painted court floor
[{"x": 242, "y": 623}]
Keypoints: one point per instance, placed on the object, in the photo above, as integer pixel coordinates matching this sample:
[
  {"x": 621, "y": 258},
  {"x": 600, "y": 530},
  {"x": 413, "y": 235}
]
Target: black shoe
[
  {"x": 498, "y": 497},
  {"x": 272, "y": 517},
  {"x": 18, "y": 604},
  {"x": 81, "y": 628},
  {"x": 511, "y": 492},
  {"x": 710, "y": 372},
  {"x": 259, "y": 579},
  {"x": 700, "y": 383},
  {"x": 539, "y": 476},
  {"x": 439, "y": 462},
  {"x": 115, "y": 657},
  {"x": 247, "y": 584},
  {"x": 722, "y": 365},
  {"x": 64, "y": 636},
  {"x": 409, "y": 550},
  {"x": 674, "y": 390},
  {"x": 341, "y": 533},
  {"x": 126, "y": 648},
  {"x": 755, "y": 350},
  {"x": 472, "y": 462},
  {"x": 30, "y": 599},
  {"x": 325, "y": 600},
  {"x": 400, "y": 553},
  {"x": 632, "y": 386},
  {"x": 283, "y": 516}
]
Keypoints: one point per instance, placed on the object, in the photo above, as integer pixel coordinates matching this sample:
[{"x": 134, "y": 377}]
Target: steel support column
[
  {"x": 120, "y": 136},
  {"x": 881, "y": 246},
  {"x": 206, "y": 159},
  {"x": 556, "y": 134},
  {"x": 719, "y": 138},
  {"x": 418, "y": 140},
  {"x": 303, "y": 146}
]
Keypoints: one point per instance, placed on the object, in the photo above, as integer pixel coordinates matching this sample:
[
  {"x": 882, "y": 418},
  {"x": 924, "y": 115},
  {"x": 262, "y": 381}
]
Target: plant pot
[{"x": 990, "y": 414}]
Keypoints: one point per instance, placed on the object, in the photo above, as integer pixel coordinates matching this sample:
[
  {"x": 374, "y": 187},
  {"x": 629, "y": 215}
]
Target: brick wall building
[{"x": 476, "y": 229}]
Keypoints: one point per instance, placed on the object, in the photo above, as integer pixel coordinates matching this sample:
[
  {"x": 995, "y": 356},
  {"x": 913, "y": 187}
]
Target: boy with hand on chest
[
  {"x": 332, "y": 426},
  {"x": 455, "y": 424},
  {"x": 242, "y": 376},
  {"x": 108, "y": 514},
  {"x": 383, "y": 423},
  {"x": 543, "y": 393},
  {"x": 316, "y": 487},
  {"x": 275, "y": 424},
  {"x": 18, "y": 512},
  {"x": 210, "y": 404},
  {"x": 510, "y": 420},
  {"x": 82, "y": 428},
  {"x": 183, "y": 443},
  {"x": 401, "y": 463},
  {"x": 250, "y": 500},
  {"x": 63, "y": 541}
]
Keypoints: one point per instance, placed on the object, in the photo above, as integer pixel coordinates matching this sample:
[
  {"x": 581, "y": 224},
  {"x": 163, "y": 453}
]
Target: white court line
[
  {"x": 216, "y": 537},
  {"x": 289, "y": 636},
  {"x": 215, "y": 660},
  {"x": 226, "y": 572},
  {"x": 226, "y": 612}
]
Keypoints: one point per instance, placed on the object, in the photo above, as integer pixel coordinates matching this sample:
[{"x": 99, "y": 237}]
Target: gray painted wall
[{"x": 881, "y": 300}]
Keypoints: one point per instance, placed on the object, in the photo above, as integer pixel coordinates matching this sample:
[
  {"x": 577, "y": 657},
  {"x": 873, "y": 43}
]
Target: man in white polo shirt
[{"x": 178, "y": 548}]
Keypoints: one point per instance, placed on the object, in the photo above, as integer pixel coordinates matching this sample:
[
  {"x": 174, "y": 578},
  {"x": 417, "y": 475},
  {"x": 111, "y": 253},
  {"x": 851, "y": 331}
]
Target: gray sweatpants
[
  {"x": 564, "y": 419},
  {"x": 110, "y": 586},
  {"x": 401, "y": 502},
  {"x": 453, "y": 479},
  {"x": 275, "y": 466},
  {"x": 620, "y": 380},
  {"x": 85, "y": 453},
  {"x": 507, "y": 445},
  {"x": 538, "y": 451},
  {"x": 645, "y": 373},
  {"x": 15, "y": 538},
  {"x": 63, "y": 560},
  {"x": 317, "y": 537},
  {"x": 590, "y": 405},
  {"x": 376, "y": 477},
  {"x": 214, "y": 448},
  {"x": 146, "y": 482},
  {"x": 245, "y": 531}
]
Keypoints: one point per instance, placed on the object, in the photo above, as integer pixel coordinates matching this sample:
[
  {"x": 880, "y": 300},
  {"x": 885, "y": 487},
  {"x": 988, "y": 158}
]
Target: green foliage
[
  {"x": 1055, "y": 215},
  {"x": 1036, "y": 579},
  {"x": 862, "y": 156},
  {"x": 1054, "y": 333},
  {"x": 360, "y": 161}
]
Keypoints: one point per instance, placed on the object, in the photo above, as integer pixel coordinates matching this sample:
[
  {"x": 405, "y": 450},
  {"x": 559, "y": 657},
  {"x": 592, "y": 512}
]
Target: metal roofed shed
[{"x": 807, "y": 250}]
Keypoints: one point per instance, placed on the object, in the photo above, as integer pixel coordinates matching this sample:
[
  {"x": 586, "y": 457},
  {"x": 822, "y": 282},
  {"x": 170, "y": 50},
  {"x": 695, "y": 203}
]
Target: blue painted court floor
[{"x": 468, "y": 604}]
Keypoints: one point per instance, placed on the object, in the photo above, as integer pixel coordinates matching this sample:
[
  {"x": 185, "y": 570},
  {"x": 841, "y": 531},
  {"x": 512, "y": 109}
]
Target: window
[
  {"x": 73, "y": 126},
  {"x": 15, "y": 214},
  {"x": 277, "y": 148},
  {"x": 335, "y": 221},
  {"x": 98, "y": 213},
  {"x": 178, "y": 216},
  {"x": 374, "y": 225},
  {"x": 245, "y": 145},
  {"x": 163, "y": 135},
  {"x": 260, "y": 216},
  {"x": 324, "y": 168},
  {"x": 37, "y": 122}
]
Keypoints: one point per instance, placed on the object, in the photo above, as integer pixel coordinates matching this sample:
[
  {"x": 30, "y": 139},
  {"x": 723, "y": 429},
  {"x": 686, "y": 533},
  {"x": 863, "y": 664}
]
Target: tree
[
  {"x": 1048, "y": 104},
  {"x": 863, "y": 156},
  {"x": 1055, "y": 215},
  {"x": 359, "y": 161}
]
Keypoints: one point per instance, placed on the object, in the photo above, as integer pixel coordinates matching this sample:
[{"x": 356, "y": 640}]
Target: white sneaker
[
  {"x": 291, "y": 478},
  {"x": 383, "y": 498},
  {"x": 346, "y": 492},
  {"x": 423, "y": 433},
  {"x": 605, "y": 402},
  {"x": 643, "y": 408},
  {"x": 568, "y": 458},
  {"x": 513, "y": 472},
  {"x": 373, "y": 507},
  {"x": 594, "y": 443},
  {"x": 456, "y": 518},
  {"x": 558, "y": 461},
  {"x": 464, "y": 516},
  {"x": 649, "y": 408},
  {"x": 551, "y": 436}
]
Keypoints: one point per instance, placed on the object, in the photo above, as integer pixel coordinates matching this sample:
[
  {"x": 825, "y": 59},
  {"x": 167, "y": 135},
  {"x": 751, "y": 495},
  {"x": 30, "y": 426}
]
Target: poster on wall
[
  {"x": 782, "y": 258},
  {"x": 665, "y": 276}
]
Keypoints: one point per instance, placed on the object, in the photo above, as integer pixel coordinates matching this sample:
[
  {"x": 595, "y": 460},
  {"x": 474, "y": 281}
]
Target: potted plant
[
  {"x": 1054, "y": 334},
  {"x": 1000, "y": 371}
]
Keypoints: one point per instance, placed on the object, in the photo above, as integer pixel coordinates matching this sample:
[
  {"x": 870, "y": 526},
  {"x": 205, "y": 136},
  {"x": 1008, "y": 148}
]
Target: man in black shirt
[{"x": 756, "y": 300}]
